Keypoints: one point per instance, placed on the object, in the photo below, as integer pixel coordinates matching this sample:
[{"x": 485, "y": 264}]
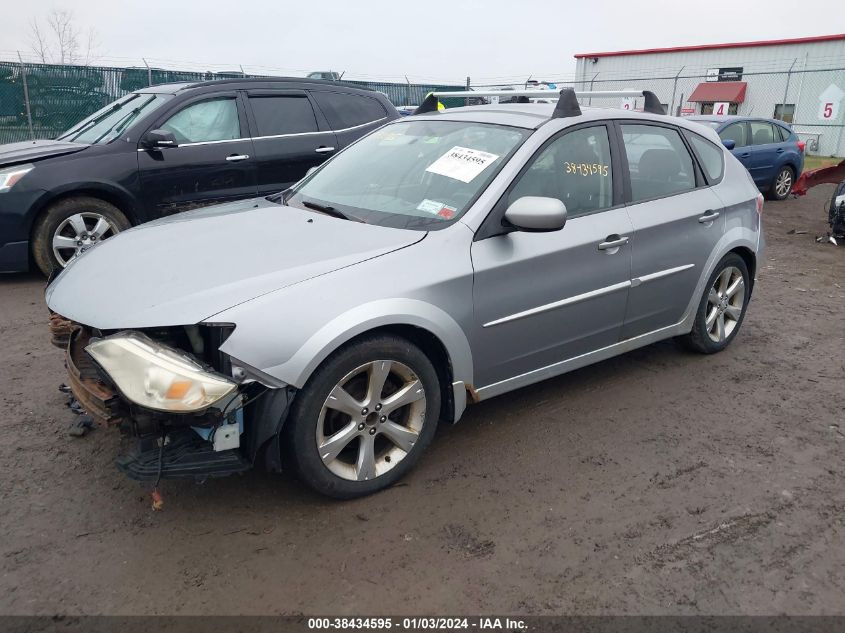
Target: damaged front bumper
[{"x": 210, "y": 443}]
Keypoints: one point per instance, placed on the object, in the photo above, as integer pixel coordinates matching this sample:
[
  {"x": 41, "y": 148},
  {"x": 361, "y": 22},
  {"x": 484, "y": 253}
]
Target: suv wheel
[
  {"x": 363, "y": 418},
  {"x": 782, "y": 186},
  {"x": 722, "y": 307},
  {"x": 70, "y": 227}
]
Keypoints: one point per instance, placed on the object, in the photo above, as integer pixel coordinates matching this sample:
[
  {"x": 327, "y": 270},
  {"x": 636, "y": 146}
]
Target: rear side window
[
  {"x": 344, "y": 110},
  {"x": 762, "y": 133},
  {"x": 782, "y": 133},
  {"x": 283, "y": 115},
  {"x": 711, "y": 157},
  {"x": 206, "y": 121},
  {"x": 659, "y": 162}
]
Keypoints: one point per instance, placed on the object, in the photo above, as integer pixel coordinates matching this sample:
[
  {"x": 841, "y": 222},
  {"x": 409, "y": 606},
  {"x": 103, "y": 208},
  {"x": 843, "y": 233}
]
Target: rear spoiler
[{"x": 567, "y": 104}]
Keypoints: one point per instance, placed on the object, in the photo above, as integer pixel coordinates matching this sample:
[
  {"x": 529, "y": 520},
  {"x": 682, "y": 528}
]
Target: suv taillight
[
  {"x": 759, "y": 204},
  {"x": 801, "y": 146}
]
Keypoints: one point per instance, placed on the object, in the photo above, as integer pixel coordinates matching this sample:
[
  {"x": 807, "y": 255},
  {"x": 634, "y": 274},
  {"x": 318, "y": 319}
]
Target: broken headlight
[{"x": 156, "y": 376}]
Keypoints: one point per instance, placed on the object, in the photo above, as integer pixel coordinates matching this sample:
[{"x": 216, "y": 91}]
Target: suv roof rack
[{"x": 567, "y": 104}]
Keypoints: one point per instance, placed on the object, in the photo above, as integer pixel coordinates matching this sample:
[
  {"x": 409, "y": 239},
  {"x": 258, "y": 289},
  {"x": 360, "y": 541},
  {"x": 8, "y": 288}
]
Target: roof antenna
[
  {"x": 567, "y": 105},
  {"x": 652, "y": 103},
  {"x": 428, "y": 105}
]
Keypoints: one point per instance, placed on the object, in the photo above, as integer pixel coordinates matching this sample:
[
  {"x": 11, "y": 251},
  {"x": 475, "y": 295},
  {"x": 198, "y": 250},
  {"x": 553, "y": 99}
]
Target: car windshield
[
  {"x": 414, "y": 174},
  {"x": 107, "y": 124}
]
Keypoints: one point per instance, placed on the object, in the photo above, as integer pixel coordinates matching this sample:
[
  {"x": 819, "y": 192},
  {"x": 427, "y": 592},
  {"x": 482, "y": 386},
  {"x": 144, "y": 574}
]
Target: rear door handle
[
  {"x": 780, "y": 150},
  {"x": 324, "y": 150},
  {"x": 709, "y": 216},
  {"x": 613, "y": 241},
  {"x": 235, "y": 158}
]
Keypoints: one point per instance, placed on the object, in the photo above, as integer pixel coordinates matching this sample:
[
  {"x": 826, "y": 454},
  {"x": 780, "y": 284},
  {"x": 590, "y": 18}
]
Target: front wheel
[
  {"x": 722, "y": 307},
  {"x": 782, "y": 185},
  {"x": 70, "y": 227},
  {"x": 363, "y": 418}
]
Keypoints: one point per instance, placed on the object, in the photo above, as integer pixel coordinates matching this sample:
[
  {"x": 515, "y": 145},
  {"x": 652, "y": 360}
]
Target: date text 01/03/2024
[{"x": 417, "y": 623}]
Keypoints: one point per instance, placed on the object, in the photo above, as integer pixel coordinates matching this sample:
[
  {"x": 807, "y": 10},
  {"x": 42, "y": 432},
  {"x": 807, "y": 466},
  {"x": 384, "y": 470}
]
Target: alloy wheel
[
  {"x": 783, "y": 184},
  {"x": 78, "y": 233},
  {"x": 371, "y": 420},
  {"x": 725, "y": 302}
]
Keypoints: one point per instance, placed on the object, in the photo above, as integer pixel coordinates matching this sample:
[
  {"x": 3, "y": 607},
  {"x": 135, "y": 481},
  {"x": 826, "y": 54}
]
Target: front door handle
[
  {"x": 234, "y": 158},
  {"x": 709, "y": 216},
  {"x": 613, "y": 242},
  {"x": 745, "y": 155},
  {"x": 324, "y": 150}
]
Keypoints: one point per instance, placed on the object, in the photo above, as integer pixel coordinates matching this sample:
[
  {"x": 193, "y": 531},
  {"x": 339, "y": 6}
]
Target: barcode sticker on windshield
[{"x": 462, "y": 163}]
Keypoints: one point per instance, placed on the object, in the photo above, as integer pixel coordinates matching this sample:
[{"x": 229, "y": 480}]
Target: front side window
[
  {"x": 710, "y": 156},
  {"x": 762, "y": 133},
  {"x": 734, "y": 132},
  {"x": 658, "y": 161},
  {"x": 212, "y": 120},
  {"x": 574, "y": 168},
  {"x": 283, "y": 115},
  {"x": 414, "y": 174},
  {"x": 344, "y": 110}
]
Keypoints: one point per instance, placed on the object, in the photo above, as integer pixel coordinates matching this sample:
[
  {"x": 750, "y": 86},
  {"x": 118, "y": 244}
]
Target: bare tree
[{"x": 61, "y": 41}]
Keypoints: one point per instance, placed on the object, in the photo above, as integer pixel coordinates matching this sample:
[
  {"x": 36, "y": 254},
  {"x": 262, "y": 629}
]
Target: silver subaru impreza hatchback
[{"x": 444, "y": 259}]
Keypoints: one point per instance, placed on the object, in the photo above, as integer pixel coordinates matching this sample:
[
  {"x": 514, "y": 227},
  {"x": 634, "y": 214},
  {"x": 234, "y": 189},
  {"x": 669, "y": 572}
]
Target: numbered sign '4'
[
  {"x": 721, "y": 108},
  {"x": 829, "y": 102}
]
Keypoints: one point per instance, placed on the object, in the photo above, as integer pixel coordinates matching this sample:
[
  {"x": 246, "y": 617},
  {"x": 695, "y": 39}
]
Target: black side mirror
[
  {"x": 729, "y": 143},
  {"x": 158, "y": 139}
]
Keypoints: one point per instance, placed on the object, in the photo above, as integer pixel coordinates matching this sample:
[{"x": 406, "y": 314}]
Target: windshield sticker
[
  {"x": 462, "y": 163},
  {"x": 437, "y": 208},
  {"x": 586, "y": 169}
]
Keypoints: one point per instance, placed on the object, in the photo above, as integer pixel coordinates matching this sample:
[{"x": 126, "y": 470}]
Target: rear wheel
[
  {"x": 71, "y": 226},
  {"x": 782, "y": 185},
  {"x": 722, "y": 307},
  {"x": 364, "y": 417}
]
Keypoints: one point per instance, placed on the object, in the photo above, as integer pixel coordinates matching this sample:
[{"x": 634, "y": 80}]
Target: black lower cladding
[{"x": 186, "y": 456}]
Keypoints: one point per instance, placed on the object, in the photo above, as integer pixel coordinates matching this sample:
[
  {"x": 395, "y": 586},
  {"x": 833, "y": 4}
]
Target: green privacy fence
[{"x": 59, "y": 96}]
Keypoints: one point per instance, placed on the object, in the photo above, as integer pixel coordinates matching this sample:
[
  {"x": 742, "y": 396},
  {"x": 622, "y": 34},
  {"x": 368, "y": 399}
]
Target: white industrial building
[{"x": 801, "y": 81}]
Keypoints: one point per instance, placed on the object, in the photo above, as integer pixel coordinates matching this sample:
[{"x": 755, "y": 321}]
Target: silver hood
[{"x": 185, "y": 268}]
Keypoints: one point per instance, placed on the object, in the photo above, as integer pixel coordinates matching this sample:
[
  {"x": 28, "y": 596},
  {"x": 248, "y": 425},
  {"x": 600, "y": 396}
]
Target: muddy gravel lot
[{"x": 660, "y": 482}]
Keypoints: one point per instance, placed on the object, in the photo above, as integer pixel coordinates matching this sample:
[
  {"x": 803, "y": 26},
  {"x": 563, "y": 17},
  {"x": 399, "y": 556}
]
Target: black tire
[
  {"x": 784, "y": 172},
  {"x": 699, "y": 339},
  {"x": 53, "y": 217},
  {"x": 299, "y": 441}
]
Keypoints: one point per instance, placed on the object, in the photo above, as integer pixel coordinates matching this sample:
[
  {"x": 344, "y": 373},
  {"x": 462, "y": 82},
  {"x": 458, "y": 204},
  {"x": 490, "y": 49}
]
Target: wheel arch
[
  {"x": 750, "y": 259},
  {"x": 422, "y": 323},
  {"x": 117, "y": 196}
]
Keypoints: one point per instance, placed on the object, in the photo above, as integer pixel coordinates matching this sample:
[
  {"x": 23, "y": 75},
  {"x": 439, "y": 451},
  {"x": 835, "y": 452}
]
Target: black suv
[{"x": 169, "y": 148}]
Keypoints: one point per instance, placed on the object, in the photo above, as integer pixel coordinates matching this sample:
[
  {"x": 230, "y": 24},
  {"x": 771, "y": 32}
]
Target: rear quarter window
[
  {"x": 710, "y": 156},
  {"x": 344, "y": 110}
]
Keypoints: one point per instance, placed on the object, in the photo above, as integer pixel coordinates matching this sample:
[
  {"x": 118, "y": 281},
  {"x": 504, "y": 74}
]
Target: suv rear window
[
  {"x": 344, "y": 110},
  {"x": 283, "y": 115},
  {"x": 710, "y": 156}
]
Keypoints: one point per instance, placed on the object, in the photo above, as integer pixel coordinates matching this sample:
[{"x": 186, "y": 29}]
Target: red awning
[{"x": 719, "y": 91}]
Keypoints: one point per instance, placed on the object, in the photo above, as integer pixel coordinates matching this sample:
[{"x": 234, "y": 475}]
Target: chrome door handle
[
  {"x": 708, "y": 217},
  {"x": 234, "y": 158},
  {"x": 324, "y": 150},
  {"x": 608, "y": 244}
]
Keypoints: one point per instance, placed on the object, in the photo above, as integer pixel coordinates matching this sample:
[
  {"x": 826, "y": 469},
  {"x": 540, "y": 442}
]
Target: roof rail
[{"x": 567, "y": 104}]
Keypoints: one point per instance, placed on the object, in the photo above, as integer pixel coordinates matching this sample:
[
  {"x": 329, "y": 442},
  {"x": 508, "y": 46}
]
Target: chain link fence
[
  {"x": 798, "y": 97},
  {"x": 39, "y": 101},
  {"x": 811, "y": 100}
]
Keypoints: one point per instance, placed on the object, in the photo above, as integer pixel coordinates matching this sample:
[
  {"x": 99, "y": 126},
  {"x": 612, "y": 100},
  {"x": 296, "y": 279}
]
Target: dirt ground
[{"x": 660, "y": 482}]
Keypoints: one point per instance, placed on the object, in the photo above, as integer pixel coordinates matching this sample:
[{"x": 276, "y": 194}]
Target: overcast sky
[{"x": 427, "y": 40}]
